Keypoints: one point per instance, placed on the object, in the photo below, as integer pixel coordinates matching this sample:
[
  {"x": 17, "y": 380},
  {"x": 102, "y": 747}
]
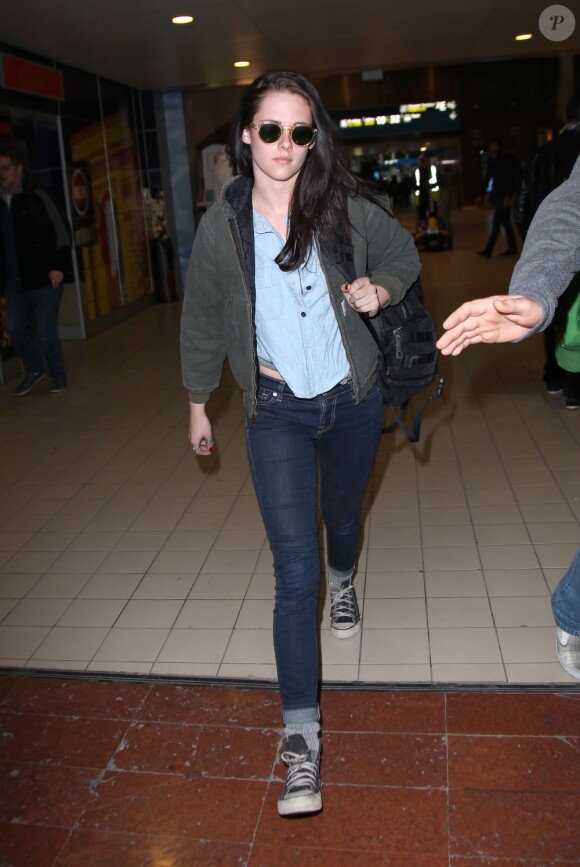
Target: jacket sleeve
[
  {"x": 203, "y": 344},
  {"x": 393, "y": 258},
  {"x": 551, "y": 254}
]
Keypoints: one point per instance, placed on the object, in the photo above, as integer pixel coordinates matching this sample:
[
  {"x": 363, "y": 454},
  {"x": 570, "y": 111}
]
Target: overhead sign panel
[{"x": 419, "y": 117}]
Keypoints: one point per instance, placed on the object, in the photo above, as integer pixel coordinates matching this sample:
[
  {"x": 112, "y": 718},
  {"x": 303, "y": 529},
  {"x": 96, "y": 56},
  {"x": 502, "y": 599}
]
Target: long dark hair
[{"x": 318, "y": 199}]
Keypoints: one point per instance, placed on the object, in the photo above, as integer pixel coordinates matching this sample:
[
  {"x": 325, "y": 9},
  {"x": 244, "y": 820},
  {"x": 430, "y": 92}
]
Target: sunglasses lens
[
  {"x": 269, "y": 132},
  {"x": 302, "y": 135}
]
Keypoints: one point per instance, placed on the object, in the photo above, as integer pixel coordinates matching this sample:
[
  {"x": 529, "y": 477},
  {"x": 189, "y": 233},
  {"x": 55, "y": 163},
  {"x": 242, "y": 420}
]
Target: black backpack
[{"x": 406, "y": 335}]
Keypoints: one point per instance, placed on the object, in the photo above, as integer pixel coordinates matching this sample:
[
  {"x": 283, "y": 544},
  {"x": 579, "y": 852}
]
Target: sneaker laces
[
  {"x": 302, "y": 772},
  {"x": 343, "y": 604}
]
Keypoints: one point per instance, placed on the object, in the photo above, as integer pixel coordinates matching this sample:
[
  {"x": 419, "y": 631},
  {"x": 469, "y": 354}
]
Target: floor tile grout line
[
  {"x": 469, "y": 507},
  {"x": 266, "y": 684},
  {"x": 269, "y": 785},
  {"x": 470, "y": 371},
  {"x": 154, "y": 662},
  {"x": 518, "y": 505},
  {"x": 447, "y": 780}
]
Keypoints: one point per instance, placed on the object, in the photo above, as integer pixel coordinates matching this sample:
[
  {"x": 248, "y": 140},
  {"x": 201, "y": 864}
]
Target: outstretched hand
[{"x": 496, "y": 319}]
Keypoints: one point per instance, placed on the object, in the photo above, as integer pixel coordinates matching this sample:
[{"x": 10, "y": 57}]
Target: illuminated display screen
[{"x": 413, "y": 117}]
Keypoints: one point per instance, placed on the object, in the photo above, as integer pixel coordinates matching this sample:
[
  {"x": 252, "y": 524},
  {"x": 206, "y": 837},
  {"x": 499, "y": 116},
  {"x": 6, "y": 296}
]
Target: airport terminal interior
[
  {"x": 124, "y": 552},
  {"x": 140, "y": 721},
  {"x": 140, "y": 574}
]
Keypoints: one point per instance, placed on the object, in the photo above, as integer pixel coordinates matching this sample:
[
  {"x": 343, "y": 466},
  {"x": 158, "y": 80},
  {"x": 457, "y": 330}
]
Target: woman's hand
[
  {"x": 200, "y": 432},
  {"x": 364, "y": 296},
  {"x": 496, "y": 319}
]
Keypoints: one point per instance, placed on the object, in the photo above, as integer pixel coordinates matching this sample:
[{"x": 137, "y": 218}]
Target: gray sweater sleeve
[{"x": 551, "y": 254}]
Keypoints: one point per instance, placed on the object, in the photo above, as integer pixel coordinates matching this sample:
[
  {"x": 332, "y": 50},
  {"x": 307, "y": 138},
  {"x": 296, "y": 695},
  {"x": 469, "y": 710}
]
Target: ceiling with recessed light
[{"x": 134, "y": 41}]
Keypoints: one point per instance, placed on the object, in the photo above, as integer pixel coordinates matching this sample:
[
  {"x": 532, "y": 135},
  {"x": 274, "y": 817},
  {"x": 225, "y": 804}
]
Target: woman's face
[{"x": 282, "y": 160}]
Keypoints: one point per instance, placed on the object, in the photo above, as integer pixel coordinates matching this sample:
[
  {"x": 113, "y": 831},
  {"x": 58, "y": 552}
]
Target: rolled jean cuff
[
  {"x": 297, "y": 715},
  {"x": 566, "y": 598},
  {"x": 566, "y": 625},
  {"x": 340, "y": 576}
]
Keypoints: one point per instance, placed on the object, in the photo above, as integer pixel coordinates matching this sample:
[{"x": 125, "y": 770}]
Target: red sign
[{"x": 28, "y": 77}]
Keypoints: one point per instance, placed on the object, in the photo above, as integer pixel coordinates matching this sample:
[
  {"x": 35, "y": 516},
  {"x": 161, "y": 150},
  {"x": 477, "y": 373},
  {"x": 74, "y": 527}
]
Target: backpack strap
[{"x": 413, "y": 433}]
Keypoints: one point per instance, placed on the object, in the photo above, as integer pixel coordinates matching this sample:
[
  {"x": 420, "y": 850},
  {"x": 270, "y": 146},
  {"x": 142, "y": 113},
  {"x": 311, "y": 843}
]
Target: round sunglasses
[{"x": 302, "y": 134}]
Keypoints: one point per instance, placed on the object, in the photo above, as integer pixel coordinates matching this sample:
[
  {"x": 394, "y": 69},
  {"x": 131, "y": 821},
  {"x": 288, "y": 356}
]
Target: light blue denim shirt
[{"x": 296, "y": 328}]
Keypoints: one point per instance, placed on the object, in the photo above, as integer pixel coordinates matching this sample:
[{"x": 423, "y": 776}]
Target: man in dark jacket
[
  {"x": 549, "y": 167},
  {"x": 504, "y": 173},
  {"x": 34, "y": 255}
]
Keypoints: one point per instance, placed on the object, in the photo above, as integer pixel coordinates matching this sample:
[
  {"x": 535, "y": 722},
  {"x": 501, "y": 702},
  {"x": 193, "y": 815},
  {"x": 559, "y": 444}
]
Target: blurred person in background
[
  {"x": 34, "y": 257},
  {"x": 550, "y": 166},
  {"x": 504, "y": 176}
]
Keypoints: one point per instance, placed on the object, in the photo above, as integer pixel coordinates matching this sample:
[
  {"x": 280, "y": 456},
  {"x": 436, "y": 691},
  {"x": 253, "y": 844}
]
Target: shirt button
[
  {"x": 274, "y": 394},
  {"x": 303, "y": 315},
  {"x": 309, "y": 287}
]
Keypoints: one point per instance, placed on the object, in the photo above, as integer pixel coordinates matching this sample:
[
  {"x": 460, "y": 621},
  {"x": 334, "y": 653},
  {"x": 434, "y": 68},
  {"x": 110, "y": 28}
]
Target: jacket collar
[
  {"x": 336, "y": 249},
  {"x": 238, "y": 194}
]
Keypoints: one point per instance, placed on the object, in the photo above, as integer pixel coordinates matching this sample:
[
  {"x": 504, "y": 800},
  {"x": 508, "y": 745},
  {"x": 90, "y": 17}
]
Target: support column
[{"x": 177, "y": 181}]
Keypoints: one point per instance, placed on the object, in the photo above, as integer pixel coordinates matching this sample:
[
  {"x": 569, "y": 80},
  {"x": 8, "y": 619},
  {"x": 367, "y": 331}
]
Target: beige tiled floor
[{"x": 121, "y": 552}]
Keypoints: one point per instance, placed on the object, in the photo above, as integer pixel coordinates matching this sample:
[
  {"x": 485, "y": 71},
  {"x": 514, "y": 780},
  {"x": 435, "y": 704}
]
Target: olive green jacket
[{"x": 218, "y": 320}]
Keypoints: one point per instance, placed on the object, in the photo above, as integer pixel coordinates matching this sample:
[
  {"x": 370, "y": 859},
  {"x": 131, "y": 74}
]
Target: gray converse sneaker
[
  {"x": 301, "y": 792},
  {"x": 568, "y": 650},
  {"x": 344, "y": 611}
]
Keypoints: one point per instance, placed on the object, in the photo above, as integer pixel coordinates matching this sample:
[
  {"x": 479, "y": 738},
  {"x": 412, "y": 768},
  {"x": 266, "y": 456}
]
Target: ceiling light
[
  {"x": 182, "y": 19},
  {"x": 241, "y": 64},
  {"x": 523, "y": 37}
]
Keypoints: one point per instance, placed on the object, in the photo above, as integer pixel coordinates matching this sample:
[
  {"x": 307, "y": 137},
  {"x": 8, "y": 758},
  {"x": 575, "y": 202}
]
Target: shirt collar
[{"x": 263, "y": 226}]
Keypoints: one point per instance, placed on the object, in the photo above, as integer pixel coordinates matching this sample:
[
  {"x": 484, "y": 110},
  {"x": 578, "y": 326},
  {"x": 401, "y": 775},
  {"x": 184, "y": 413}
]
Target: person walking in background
[
  {"x": 268, "y": 288},
  {"x": 34, "y": 256},
  {"x": 549, "y": 262},
  {"x": 550, "y": 166},
  {"x": 426, "y": 183},
  {"x": 504, "y": 174}
]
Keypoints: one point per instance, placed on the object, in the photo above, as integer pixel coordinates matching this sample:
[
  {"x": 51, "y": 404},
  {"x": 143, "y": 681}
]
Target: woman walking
[{"x": 281, "y": 269}]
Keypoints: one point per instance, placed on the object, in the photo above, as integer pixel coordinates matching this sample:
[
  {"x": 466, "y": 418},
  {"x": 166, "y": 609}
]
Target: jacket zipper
[
  {"x": 237, "y": 242},
  {"x": 343, "y": 334}
]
